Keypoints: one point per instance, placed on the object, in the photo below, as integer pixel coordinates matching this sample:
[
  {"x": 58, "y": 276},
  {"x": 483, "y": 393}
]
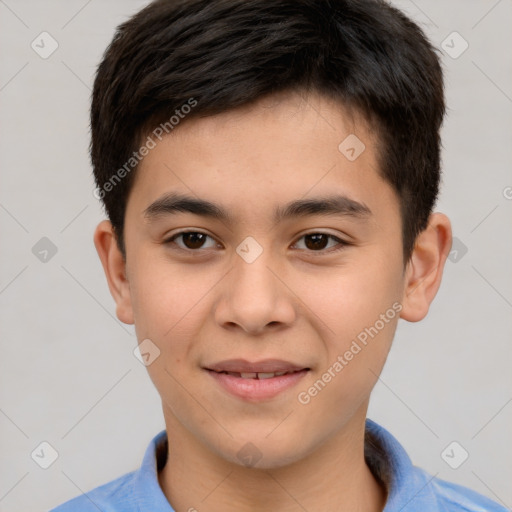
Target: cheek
[
  {"x": 355, "y": 358},
  {"x": 347, "y": 299},
  {"x": 166, "y": 298},
  {"x": 359, "y": 308},
  {"x": 171, "y": 306}
]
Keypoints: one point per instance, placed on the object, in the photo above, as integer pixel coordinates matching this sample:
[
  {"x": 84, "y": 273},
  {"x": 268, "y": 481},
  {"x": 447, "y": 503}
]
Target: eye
[
  {"x": 191, "y": 240},
  {"x": 313, "y": 242},
  {"x": 317, "y": 242}
]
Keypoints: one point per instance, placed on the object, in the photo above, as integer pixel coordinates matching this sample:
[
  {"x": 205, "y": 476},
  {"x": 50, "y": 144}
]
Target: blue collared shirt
[{"x": 410, "y": 489}]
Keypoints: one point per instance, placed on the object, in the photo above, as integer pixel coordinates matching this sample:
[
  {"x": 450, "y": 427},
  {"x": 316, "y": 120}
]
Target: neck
[{"x": 333, "y": 477}]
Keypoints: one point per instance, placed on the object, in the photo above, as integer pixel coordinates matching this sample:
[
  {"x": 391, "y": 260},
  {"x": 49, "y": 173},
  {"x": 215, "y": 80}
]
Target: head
[
  {"x": 269, "y": 116},
  {"x": 181, "y": 60}
]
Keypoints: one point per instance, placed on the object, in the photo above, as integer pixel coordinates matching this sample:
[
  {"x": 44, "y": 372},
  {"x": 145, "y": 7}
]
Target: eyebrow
[{"x": 335, "y": 205}]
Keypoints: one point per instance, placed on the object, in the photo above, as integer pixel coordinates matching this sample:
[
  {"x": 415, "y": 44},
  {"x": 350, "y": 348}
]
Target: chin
[{"x": 264, "y": 454}]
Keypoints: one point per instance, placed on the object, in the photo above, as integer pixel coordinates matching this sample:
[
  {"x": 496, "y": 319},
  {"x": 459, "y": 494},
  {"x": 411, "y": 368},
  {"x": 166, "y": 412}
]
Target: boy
[{"x": 230, "y": 138}]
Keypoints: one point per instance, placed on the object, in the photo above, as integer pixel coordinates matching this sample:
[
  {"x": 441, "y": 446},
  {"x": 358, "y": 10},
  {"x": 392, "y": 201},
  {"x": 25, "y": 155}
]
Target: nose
[{"x": 255, "y": 297}]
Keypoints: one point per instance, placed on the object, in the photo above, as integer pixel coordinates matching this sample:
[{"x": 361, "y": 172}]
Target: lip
[
  {"x": 255, "y": 389},
  {"x": 265, "y": 365}
]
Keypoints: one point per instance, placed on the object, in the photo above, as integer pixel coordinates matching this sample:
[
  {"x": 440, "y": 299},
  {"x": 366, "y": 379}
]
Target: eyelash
[{"x": 341, "y": 243}]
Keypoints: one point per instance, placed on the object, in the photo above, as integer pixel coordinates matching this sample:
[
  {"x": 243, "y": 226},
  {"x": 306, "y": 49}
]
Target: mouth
[
  {"x": 256, "y": 381},
  {"x": 258, "y": 375},
  {"x": 265, "y": 366}
]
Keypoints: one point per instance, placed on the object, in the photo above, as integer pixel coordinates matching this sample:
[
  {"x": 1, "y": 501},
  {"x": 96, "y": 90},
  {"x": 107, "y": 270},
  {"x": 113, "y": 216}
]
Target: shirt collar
[
  {"x": 147, "y": 492},
  {"x": 407, "y": 486}
]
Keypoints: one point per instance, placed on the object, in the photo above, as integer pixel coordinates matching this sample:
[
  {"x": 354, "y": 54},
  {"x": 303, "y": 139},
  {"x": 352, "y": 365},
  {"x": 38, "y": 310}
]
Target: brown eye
[
  {"x": 194, "y": 240},
  {"x": 191, "y": 240},
  {"x": 318, "y": 242}
]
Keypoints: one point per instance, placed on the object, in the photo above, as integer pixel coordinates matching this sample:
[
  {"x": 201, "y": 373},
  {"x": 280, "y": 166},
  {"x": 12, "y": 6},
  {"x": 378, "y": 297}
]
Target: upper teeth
[{"x": 259, "y": 375}]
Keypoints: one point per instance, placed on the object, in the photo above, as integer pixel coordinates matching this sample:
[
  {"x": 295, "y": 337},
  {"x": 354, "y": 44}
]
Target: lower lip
[{"x": 257, "y": 389}]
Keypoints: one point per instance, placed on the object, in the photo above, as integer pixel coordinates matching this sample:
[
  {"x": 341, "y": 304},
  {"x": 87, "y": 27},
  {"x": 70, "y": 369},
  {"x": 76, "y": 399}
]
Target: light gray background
[{"x": 68, "y": 374}]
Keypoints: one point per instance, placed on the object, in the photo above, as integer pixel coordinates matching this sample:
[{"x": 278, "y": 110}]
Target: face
[{"x": 266, "y": 278}]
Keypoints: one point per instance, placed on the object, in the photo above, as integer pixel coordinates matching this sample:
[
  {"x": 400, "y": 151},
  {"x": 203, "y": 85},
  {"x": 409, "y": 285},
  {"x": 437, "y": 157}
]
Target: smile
[
  {"x": 254, "y": 375},
  {"x": 256, "y": 386}
]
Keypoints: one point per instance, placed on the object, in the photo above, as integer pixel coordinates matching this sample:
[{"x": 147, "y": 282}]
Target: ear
[
  {"x": 114, "y": 266},
  {"x": 425, "y": 267}
]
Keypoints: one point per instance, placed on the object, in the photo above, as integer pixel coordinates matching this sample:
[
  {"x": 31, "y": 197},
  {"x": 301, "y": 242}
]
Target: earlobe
[
  {"x": 114, "y": 267},
  {"x": 425, "y": 267}
]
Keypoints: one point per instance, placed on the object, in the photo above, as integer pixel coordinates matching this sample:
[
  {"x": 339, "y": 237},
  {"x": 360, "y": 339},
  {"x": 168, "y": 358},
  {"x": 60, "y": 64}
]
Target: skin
[{"x": 294, "y": 302}]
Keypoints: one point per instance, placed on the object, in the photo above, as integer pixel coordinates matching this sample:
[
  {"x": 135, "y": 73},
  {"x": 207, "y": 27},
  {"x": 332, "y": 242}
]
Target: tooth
[
  {"x": 265, "y": 375},
  {"x": 248, "y": 375},
  {"x": 278, "y": 374}
]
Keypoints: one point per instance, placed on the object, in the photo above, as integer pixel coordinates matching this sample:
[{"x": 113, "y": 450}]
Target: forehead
[{"x": 258, "y": 157}]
